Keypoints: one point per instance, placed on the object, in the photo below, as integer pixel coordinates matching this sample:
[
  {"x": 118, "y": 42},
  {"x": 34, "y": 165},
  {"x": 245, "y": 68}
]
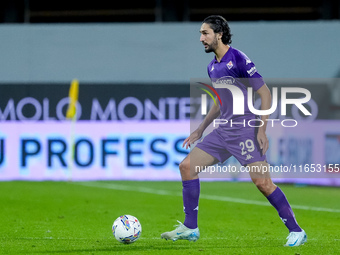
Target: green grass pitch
[{"x": 234, "y": 218}]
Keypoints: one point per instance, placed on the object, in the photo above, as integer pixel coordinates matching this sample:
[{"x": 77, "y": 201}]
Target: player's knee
[
  {"x": 264, "y": 185},
  {"x": 184, "y": 167}
]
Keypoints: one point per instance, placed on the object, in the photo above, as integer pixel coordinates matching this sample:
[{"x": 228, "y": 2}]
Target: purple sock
[
  {"x": 191, "y": 193},
  {"x": 281, "y": 204}
]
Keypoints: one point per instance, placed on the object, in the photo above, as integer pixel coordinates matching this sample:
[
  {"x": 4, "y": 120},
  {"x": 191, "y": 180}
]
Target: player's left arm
[{"x": 266, "y": 100}]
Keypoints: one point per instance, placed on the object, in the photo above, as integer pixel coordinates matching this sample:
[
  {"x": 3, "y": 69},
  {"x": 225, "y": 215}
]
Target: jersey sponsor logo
[
  {"x": 229, "y": 80},
  {"x": 248, "y": 61},
  {"x": 230, "y": 65},
  {"x": 251, "y": 71}
]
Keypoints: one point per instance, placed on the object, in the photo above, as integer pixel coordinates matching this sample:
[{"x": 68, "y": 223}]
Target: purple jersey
[
  {"x": 236, "y": 69},
  {"x": 238, "y": 140}
]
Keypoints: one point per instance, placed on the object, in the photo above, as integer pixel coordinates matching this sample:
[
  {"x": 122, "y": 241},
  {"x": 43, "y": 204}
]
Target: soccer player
[{"x": 246, "y": 143}]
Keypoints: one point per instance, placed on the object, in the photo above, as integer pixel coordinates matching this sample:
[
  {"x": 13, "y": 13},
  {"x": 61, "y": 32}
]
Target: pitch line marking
[{"x": 202, "y": 196}]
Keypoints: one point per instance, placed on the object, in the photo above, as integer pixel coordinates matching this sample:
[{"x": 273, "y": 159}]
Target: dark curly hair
[{"x": 219, "y": 25}]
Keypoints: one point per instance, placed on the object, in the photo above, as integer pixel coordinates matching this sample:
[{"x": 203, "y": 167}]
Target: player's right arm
[{"x": 213, "y": 113}]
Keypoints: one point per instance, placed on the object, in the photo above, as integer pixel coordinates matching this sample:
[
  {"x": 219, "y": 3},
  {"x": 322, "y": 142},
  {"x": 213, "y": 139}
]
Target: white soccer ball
[{"x": 126, "y": 229}]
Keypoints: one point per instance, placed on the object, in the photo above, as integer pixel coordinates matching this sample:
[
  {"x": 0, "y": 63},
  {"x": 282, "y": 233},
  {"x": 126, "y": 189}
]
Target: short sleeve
[{"x": 248, "y": 71}]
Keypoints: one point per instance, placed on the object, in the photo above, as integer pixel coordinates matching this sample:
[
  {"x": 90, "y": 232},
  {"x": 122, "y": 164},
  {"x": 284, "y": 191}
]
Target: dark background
[{"x": 37, "y": 11}]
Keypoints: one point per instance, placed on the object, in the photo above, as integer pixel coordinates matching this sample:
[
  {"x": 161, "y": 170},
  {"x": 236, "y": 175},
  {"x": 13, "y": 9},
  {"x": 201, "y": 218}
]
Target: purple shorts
[{"x": 242, "y": 145}]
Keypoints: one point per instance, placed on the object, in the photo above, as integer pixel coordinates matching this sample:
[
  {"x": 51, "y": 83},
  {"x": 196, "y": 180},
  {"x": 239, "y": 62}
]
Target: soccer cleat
[
  {"x": 182, "y": 232},
  {"x": 296, "y": 238}
]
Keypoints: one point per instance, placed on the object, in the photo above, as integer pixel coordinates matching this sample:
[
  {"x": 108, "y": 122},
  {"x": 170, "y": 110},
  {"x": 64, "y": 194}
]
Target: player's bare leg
[
  {"x": 262, "y": 179},
  {"x": 194, "y": 162},
  {"x": 191, "y": 191},
  {"x": 276, "y": 197}
]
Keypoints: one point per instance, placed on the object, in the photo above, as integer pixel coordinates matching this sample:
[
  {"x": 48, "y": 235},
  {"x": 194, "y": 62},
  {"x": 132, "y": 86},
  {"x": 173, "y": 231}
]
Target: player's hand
[
  {"x": 192, "y": 138},
  {"x": 263, "y": 141}
]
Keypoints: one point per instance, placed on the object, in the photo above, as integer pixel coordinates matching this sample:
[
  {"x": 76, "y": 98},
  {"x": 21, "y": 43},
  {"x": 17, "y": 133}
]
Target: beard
[{"x": 212, "y": 47}]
